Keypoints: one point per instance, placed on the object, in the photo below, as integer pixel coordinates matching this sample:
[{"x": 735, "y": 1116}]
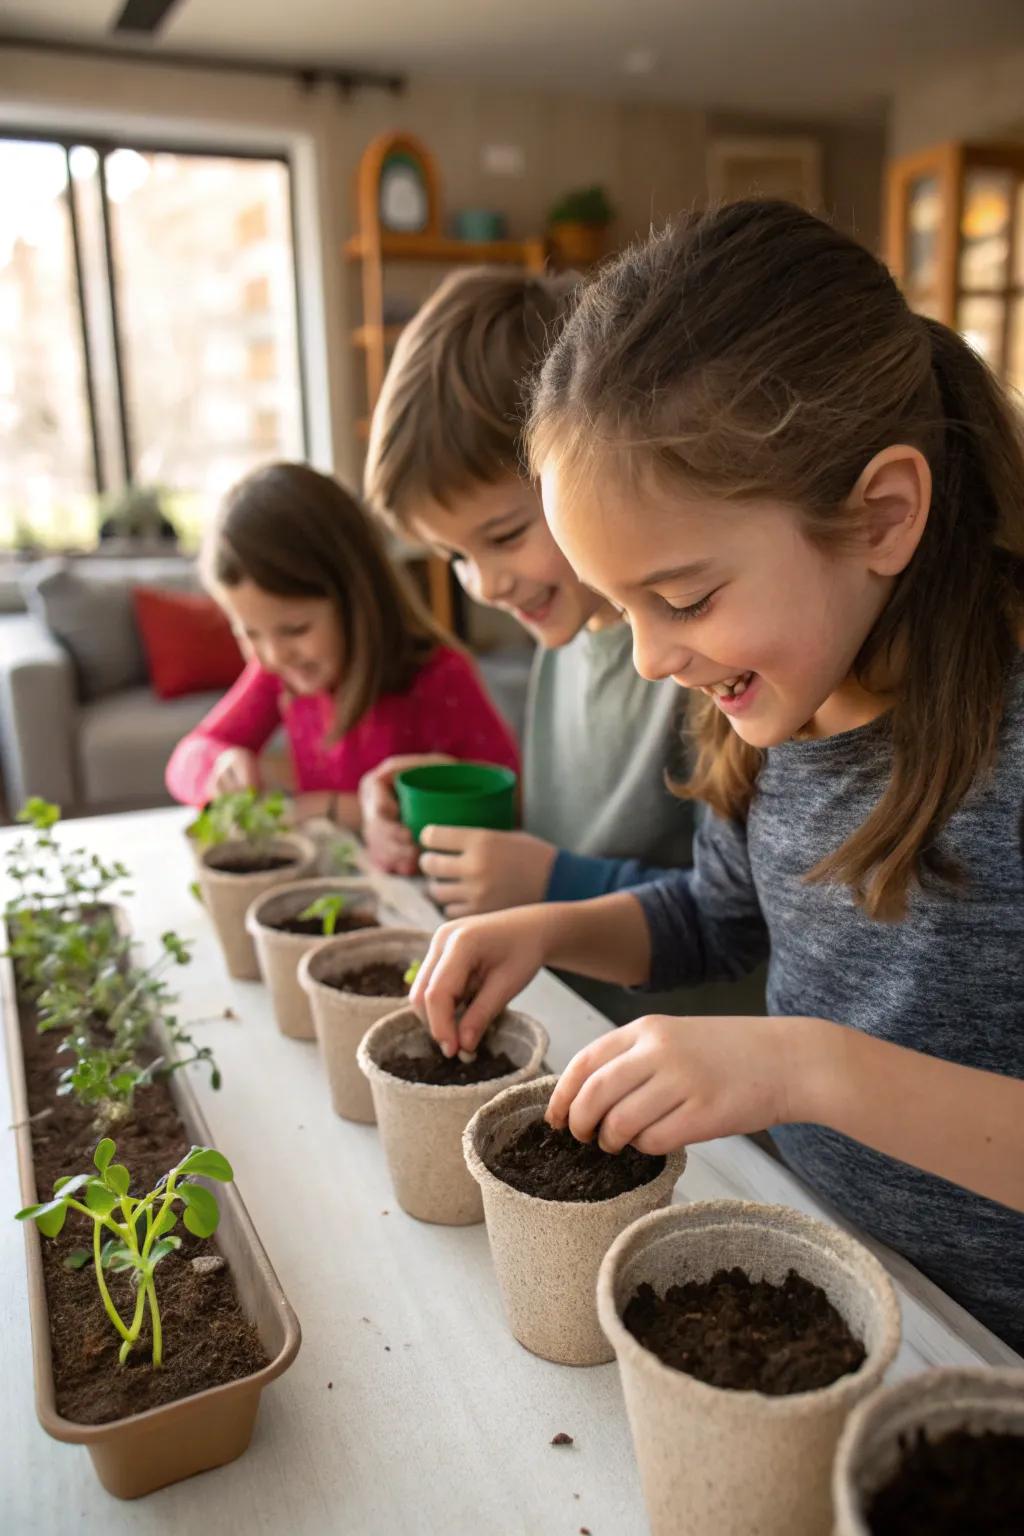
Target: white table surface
[{"x": 437, "y": 1420}]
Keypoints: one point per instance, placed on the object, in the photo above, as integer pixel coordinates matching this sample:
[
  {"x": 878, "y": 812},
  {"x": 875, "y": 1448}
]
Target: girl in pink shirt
[{"x": 340, "y": 652}]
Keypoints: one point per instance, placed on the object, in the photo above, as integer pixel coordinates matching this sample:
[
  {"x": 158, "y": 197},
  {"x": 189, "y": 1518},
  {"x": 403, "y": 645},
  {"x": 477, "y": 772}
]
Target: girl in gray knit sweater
[{"x": 808, "y": 502}]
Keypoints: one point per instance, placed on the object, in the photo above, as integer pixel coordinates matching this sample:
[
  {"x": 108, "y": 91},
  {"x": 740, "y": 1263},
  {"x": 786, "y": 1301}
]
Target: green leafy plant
[
  {"x": 586, "y": 205},
  {"x": 139, "y": 1229},
  {"x": 328, "y": 908},
  {"x": 412, "y": 972},
  {"x": 245, "y": 815},
  {"x": 340, "y": 857}
]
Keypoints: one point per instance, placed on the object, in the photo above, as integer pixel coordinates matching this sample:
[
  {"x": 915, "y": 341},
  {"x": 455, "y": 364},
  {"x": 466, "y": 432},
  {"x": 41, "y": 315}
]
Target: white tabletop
[{"x": 436, "y": 1420}]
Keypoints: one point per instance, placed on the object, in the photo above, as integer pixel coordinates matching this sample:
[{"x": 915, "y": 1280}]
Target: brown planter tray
[{"x": 137, "y": 1454}]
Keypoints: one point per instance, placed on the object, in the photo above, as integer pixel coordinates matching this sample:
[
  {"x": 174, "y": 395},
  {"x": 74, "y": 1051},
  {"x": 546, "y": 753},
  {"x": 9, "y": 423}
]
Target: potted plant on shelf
[
  {"x": 423, "y": 1102},
  {"x": 577, "y": 226},
  {"x": 744, "y": 1334},
  {"x": 553, "y": 1206},
  {"x": 940, "y": 1452},
  {"x": 351, "y": 983},
  {"x": 67, "y": 982},
  {"x": 286, "y": 922},
  {"x": 245, "y": 849}
]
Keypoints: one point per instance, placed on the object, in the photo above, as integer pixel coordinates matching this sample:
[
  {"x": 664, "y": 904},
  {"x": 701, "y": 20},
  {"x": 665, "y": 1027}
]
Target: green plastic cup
[{"x": 457, "y": 795}]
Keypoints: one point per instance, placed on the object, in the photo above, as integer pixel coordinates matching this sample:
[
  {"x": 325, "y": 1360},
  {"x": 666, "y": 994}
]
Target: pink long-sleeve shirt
[{"x": 445, "y": 710}]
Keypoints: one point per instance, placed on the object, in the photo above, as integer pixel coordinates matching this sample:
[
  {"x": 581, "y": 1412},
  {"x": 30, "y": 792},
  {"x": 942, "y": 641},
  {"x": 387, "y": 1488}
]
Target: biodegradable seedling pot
[
  {"x": 279, "y": 953},
  {"x": 457, "y": 795},
  {"x": 939, "y": 1402},
  {"x": 722, "y": 1463},
  {"x": 341, "y": 1019},
  {"x": 137, "y": 1454},
  {"x": 227, "y": 897},
  {"x": 547, "y": 1252},
  {"x": 421, "y": 1124}
]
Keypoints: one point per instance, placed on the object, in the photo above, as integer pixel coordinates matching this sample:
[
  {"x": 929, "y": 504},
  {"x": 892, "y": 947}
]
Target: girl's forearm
[
  {"x": 342, "y": 809},
  {"x": 960, "y": 1123},
  {"x": 606, "y": 938}
]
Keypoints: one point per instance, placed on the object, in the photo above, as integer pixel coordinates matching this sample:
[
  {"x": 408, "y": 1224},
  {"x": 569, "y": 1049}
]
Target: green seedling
[
  {"x": 412, "y": 972},
  {"x": 244, "y": 815},
  {"x": 340, "y": 857},
  {"x": 328, "y": 908},
  {"x": 133, "y": 1234}
]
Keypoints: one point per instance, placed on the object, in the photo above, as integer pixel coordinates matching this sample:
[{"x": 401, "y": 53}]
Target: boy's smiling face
[{"x": 504, "y": 555}]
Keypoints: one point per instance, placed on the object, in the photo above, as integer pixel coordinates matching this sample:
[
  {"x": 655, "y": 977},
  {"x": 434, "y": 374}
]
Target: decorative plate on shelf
[{"x": 404, "y": 199}]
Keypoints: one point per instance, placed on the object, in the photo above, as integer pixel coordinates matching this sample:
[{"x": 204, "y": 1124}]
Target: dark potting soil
[
  {"x": 381, "y": 979},
  {"x": 233, "y": 862},
  {"x": 748, "y": 1335},
  {"x": 207, "y": 1339},
  {"x": 444, "y": 1072},
  {"x": 553, "y": 1165},
  {"x": 947, "y": 1487},
  {"x": 348, "y": 922}
]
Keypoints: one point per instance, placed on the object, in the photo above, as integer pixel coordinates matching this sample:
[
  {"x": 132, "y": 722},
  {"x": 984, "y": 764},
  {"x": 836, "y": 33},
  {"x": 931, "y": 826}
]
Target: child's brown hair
[
  {"x": 449, "y": 417},
  {"x": 297, "y": 533},
  {"x": 752, "y": 351}
]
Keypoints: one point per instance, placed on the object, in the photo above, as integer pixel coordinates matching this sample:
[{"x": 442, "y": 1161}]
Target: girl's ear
[{"x": 892, "y": 496}]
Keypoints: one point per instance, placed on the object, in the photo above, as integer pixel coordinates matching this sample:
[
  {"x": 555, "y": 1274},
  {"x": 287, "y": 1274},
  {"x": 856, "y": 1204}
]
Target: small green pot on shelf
[{"x": 457, "y": 795}]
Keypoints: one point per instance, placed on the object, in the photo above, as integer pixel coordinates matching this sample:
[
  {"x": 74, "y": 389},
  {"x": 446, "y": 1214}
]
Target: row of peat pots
[{"x": 752, "y": 1341}]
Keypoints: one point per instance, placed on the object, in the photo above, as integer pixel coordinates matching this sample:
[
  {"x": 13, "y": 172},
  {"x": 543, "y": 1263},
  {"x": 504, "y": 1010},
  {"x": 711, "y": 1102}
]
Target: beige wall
[{"x": 981, "y": 100}]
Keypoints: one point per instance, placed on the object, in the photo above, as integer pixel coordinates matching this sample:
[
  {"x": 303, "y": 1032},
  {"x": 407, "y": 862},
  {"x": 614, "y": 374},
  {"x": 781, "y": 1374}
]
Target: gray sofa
[{"x": 79, "y": 722}]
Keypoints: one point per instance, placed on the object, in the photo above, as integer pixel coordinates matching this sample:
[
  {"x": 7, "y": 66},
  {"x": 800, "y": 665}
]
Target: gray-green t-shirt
[{"x": 599, "y": 739}]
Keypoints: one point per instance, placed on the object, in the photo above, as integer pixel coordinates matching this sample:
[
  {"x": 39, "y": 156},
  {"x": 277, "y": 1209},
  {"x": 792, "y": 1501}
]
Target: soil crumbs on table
[
  {"x": 348, "y": 922},
  {"x": 750, "y": 1336},
  {"x": 207, "y": 1339},
  {"x": 231, "y": 862},
  {"x": 947, "y": 1487},
  {"x": 432, "y": 1066},
  {"x": 553, "y": 1165},
  {"x": 381, "y": 979}
]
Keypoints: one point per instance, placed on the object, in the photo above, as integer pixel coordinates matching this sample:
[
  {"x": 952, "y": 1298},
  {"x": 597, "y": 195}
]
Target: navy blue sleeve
[{"x": 577, "y": 876}]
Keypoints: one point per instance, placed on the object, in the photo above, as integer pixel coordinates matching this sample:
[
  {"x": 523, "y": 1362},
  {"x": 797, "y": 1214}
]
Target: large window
[{"x": 148, "y": 332}]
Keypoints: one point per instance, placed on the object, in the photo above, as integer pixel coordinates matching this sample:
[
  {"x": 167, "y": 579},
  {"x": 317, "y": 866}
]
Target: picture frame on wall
[{"x": 788, "y": 167}]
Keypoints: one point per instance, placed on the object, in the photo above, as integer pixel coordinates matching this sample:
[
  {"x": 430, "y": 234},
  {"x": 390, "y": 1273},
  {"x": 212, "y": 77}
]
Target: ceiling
[{"x": 826, "y": 58}]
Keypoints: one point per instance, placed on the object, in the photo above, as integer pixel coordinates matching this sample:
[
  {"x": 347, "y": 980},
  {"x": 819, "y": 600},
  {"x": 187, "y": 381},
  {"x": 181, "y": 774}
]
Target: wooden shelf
[{"x": 443, "y": 249}]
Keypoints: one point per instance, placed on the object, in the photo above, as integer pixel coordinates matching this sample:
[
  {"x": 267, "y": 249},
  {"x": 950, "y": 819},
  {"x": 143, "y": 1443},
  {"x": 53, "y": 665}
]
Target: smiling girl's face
[
  {"x": 732, "y": 599},
  {"x": 297, "y": 638}
]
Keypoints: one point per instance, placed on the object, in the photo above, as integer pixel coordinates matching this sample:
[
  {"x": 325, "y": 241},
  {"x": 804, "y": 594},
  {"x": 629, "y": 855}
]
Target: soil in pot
[
  {"x": 347, "y": 922},
  {"x": 234, "y": 861},
  {"x": 961, "y": 1482},
  {"x": 553, "y": 1165},
  {"x": 381, "y": 979},
  {"x": 207, "y": 1339},
  {"x": 747, "y": 1335},
  {"x": 432, "y": 1066}
]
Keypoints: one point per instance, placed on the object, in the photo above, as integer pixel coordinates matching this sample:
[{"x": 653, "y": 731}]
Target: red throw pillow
[{"x": 188, "y": 642}]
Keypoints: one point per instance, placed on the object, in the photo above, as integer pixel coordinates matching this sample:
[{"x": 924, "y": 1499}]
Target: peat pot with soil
[
  {"x": 423, "y": 1102},
  {"x": 939, "y": 1455},
  {"x": 231, "y": 875},
  {"x": 292, "y": 919},
  {"x": 745, "y": 1334},
  {"x": 553, "y": 1206},
  {"x": 352, "y": 982}
]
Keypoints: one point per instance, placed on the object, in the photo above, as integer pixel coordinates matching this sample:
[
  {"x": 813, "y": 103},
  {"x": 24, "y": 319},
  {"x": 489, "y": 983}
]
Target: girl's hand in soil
[
  {"x": 390, "y": 845},
  {"x": 470, "y": 869},
  {"x": 662, "y": 1083},
  {"x": 482, "y": 962},
  {"x": 235, "y": 769}
]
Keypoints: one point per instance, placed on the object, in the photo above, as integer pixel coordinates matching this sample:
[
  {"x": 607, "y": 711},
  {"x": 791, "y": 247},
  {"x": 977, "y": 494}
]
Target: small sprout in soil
[
  {"x": 244, "y": 815},
  {"x": 412, "y": 972},
  {"x": 340, "y": 857},
  {"x": 140, "y": 1229},
  {"x": 562, "y": 1438},
  {"x": 328, "y": 908}
]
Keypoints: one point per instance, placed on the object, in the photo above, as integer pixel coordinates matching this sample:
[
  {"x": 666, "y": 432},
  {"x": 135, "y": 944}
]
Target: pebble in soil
[
  {"x": 381, "y": 979},
  {"x": 430, "y": 1065},
  {"x": 959, "y": 1483},
  {"x": 746, "y": 1335},
  {"x": 553, "y": 1165}
]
